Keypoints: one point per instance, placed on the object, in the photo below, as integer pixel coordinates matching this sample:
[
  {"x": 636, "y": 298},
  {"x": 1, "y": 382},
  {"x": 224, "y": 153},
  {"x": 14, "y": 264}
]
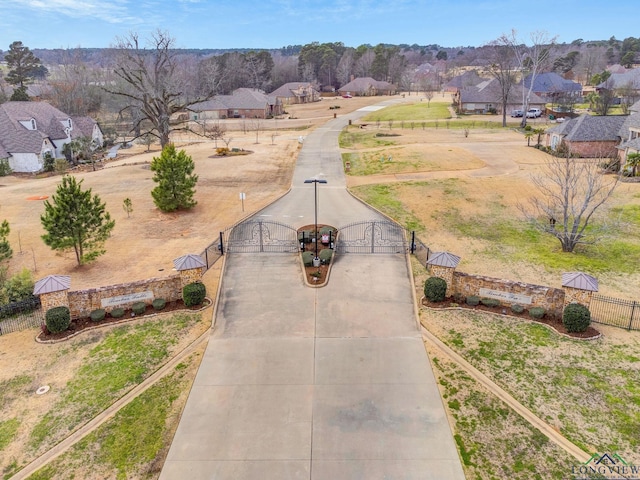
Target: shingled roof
[
  {"x": 590, "y": 128},
  {"x": 240, "y": 99},
  {"x": 15, "y": 138},
  {"x": 551, "y": 82}
]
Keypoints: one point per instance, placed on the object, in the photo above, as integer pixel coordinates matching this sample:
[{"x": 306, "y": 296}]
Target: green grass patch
[
  {"x": 386, "y": 161},
  {"x": 8, "y": 429},
  {"x": 12, "y": 389},
  {"x": 384, "y": 199},
  {"x": 359, "y": 139},
  {"x": 126, "y": 356},
  {"x": 132, "y": 441},
  {"x": 413, "y": 112}
]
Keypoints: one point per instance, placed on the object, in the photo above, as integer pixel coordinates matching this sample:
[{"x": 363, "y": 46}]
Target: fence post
[
  {"x": 373, "y": 236},
  {"x": 413, "y": 242},
  {"x": 633, "y": 308},
  {"x": 221, "y": 245}
]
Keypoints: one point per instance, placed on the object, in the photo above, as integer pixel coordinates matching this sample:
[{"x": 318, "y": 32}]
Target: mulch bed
[
  {"x": 316, "y": 275},
  {"x": 79, "y": 324},
  {"x": 555, "y": 323}
]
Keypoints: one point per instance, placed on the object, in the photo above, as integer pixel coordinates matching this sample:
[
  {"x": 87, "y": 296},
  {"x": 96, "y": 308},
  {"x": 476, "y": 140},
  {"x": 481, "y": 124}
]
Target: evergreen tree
[
  {"x": 77, "y": 220},
  {"x": 175, "y": 179},
  {"x": 5, "y": 248},
  {"x": 23, "y": 65}
]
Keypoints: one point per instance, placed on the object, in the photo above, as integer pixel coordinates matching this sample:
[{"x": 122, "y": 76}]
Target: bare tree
[
  {"x": 257, "y": 126},
  {"x": 503, "y": 67},
  {"x": 570, "y": 190},
  {"x": 155, "y": 82}
]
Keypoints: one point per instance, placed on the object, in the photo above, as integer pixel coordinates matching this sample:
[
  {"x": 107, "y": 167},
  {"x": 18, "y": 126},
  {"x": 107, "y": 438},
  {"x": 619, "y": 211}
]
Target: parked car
[
  {"x": 534, "y": 113},
  {"x": 517, "y": 113},
  {"x": 347, "y": 95}
]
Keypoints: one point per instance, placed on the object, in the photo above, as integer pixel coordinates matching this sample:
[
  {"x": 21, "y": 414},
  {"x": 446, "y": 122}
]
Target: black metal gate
[
  {"x": 371, "y": 236},
  {"x": 257, "y": 236}
]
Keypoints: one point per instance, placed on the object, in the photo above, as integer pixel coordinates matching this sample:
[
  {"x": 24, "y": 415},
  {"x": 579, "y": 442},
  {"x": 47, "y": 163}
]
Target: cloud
[{"x": 114, "y": 11}]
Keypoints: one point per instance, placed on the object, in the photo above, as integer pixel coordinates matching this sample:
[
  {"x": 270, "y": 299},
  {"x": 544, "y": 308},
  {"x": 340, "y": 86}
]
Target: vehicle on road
[
  {"x": 534, "y": 113},
  {"x": 517, "y": 113},
  {"x": 347, "y": 95}
]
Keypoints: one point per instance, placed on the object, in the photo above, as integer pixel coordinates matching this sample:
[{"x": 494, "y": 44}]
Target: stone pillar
[
  {"x": 443, "y": 265},
  {"x": 191, "y": 268},
  {"x": 191, "y": 275},
  {"x": 578, "y": 288},
  {"x": 53, "y": 291}
]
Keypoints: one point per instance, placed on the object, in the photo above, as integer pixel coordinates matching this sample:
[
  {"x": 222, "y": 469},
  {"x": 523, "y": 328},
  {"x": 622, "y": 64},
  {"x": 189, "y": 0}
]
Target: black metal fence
[
  {"x": 615, "y": 311},
  {"x": 18, "y": 316}
]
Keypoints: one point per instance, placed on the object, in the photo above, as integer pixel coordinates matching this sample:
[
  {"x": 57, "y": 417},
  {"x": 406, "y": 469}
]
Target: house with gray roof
[
  {"x": 31, "y": 130},
  {"x": 550, "y": 85},
  {"x": 486, "y": 97},
  {"x": 242, "y": 103},
  {"x": 297, "y": 92},
  {"x": 367, "y": 87},
  {"x": 468, "y": 79},
  {"x": 587, "y": 136},
  {"x": 630, "y": 134}
]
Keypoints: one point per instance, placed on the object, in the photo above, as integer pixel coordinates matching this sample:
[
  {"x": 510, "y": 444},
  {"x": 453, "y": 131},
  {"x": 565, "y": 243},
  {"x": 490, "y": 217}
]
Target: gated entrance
[
  {"x": 372, "y": 236},
  {"x": 258, "y": 236}
]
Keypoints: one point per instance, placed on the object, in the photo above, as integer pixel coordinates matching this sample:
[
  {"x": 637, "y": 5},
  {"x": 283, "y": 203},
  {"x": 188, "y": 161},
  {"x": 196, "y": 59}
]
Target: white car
[{"x": 534, "y": 113}]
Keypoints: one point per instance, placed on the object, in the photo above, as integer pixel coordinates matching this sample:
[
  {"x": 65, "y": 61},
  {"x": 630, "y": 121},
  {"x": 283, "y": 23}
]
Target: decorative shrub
[
  {"x": 193, "y": 294},
  {"x": 536, "y": 312},
  {"x": 325, "y": 256},
  {"x": 435, "y": 289},
  {"x": 490, "y": 302},
  {"x": 576, "y": 317},
  {"x": 159, "y": 303},
  {"x": 117, "y": 312},
  {"x": 517, "y": 308},
  {"x": 58, "y": 319},
  {"x": 458, "y": 298},
  {"x": 307, "y": 259},
  {"x": 473, "y": 300},
  {"x": 98, "y": 315},
  {"x": 138, "y": 308}
]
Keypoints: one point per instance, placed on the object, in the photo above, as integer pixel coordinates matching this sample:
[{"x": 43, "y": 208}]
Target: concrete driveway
[{"x": 303, "y": 383}]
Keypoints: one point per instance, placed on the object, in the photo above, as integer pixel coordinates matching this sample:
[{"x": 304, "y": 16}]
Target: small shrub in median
[
  {"x": 473, "y": 300},
  {"x": 307, "y": 259},
  {"x": 193, "y": 294},
  {"x": 516, "y": 308},
  {"x": 576, "y": 318},
  {"x": 98, "y": 315},
  {"x": 117, "y": 312},
  {"x": 159, "y": 303},
  {"x": 325, "y": 256},
  {"x": 435, "y": 289},
  {"x": 58, "y": 319},
  {"x": 536, "y": 312},
  {"x": 138, "y": 308},
  {"x": 490, "y": 302}
]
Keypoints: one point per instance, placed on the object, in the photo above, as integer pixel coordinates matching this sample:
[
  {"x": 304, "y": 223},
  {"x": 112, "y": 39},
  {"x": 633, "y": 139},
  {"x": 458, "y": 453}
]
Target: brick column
[
  {"x": 443, "y": 265},
  {"x": 53, "y": 291},
  {"x": 578, "y": 288},
  {"x": 191, "y": 268}
]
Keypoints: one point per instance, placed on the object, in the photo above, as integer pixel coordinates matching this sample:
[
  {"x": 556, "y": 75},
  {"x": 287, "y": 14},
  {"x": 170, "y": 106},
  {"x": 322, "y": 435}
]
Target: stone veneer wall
[
  {"x": 551, "y": 299},
  {"x": 574, "y": 295},
  {"x": 192, "y": 275},
  {"x": 83, "y": 302},
  {"x": 445, "y": 273},
  {"x": 54, "y": 299}
]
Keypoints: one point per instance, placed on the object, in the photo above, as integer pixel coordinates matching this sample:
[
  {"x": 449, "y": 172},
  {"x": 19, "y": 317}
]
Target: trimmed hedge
[
  {"x": 193, "y": 294},
  {"x": 537, "y": 312},
  {"x": 473, "y": 300},
  {"x": 490, "y": 302},
  {"x": 517, "y": 308},
  {"x": 98, "y": 315},
  {"x": 307, "y": 259},
  {"x": 435, "y": 289},
  {"x": 117, "y": 312},
  {"x": 159, "y": 303},
  {"x": 58, "y": 319},
  {"x": 325, "y": 256},
  {"x": 138, "y": 308},
  {"x": 576, "y": 317}
]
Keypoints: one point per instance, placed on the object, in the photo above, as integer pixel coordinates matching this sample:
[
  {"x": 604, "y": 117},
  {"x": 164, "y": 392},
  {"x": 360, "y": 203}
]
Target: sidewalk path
[{"x": 326, "y": 384}]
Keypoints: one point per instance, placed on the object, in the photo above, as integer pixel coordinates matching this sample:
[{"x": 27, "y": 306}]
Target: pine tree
[
  {"x": 23, "y": 65},
  {"x": 5, "y": 248},
  {"x": 77, "y": 220},
  {"x": 175, "y": 179}
]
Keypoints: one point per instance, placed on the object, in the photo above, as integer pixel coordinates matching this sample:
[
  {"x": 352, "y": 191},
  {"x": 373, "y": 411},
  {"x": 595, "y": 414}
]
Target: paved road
[{"x": 300, "y": 383}]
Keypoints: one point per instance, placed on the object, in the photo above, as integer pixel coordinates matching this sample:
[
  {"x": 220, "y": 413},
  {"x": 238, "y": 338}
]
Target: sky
[{"x": 273, "y": 24}]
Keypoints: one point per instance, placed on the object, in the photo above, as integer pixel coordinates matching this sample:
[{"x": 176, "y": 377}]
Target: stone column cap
[
  {"x": 52, "y": 283},
  {"x": 188, "y": 262},
  {"x": 444, "y": 259},
  {"x": 580, "y": 281}
]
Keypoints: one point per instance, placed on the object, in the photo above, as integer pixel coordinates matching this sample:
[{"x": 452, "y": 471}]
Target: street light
[{"x": 316, "y": 181}]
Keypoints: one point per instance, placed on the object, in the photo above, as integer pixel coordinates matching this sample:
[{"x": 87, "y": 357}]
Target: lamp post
[{"x": 315, "y": 181}]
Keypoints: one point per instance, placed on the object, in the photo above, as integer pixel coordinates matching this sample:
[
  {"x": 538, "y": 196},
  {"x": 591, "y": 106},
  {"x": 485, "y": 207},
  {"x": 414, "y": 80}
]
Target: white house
[{"x": 30, "y": 130}]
